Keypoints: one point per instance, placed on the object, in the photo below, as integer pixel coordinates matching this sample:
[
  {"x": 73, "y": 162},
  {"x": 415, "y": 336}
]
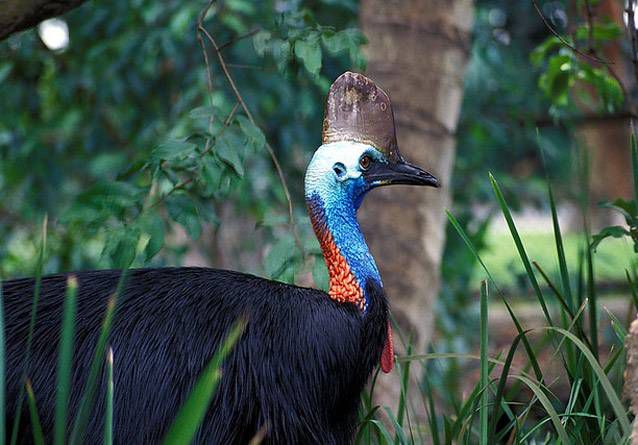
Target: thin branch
[
  {"x": 590, "y": 28},
  {"x": 576, "y": 51},
  {"x": 238, "y": 38},
  {"x": 269, "y": 148}
]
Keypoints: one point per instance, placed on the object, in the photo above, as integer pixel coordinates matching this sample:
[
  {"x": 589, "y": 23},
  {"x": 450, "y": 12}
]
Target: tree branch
[
  {"x": 244, "y": 107},
  {"x": 18, "y": 15}
]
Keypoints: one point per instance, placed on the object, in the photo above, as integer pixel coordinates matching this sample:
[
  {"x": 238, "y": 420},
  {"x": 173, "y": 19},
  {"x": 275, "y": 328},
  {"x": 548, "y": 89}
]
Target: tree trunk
[
  {"x": 417, "y": 52},
  {"x": 18, "y": 15}
]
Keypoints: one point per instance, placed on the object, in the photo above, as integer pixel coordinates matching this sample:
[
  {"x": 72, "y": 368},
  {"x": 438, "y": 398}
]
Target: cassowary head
[{"x": 359, "y": 148}]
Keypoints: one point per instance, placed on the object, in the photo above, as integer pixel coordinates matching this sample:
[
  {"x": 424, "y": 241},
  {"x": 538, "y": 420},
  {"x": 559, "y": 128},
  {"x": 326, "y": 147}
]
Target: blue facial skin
[{"x": 336, "y": 199}]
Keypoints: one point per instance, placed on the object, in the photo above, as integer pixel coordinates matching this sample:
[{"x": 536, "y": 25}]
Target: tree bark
[
  {"x": 18, "y": 15},
  {"x": 417, "y": 52}
]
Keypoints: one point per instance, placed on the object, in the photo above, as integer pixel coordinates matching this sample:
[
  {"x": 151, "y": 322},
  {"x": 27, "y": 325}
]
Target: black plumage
[{"x": 298, "y": 369}]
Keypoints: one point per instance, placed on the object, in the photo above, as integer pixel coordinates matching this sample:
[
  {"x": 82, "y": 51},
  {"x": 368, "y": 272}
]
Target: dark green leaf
[
  {"x": 613, "y": 231},
  {"x": 256, "y": 138},
  {"x": 309, "y": 52},
  {"x": 261, "y": 42},
  {"x": 154, "y": 227},
  {"x": 173, "y": 150},
  {"x": 279, "y": 255},
  {"x": 229, "y": 153},
  {"x": 183, "y": 211}
]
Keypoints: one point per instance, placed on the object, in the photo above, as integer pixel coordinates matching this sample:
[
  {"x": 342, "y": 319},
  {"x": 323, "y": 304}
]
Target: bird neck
[{"x": 349, "y": 261}]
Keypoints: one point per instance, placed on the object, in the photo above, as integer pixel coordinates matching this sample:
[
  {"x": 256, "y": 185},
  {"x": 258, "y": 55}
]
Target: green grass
[{"x": 612, "y": 257}]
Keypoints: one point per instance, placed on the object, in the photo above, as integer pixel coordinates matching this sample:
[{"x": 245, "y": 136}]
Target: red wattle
[{"x": 387, "y": 356}]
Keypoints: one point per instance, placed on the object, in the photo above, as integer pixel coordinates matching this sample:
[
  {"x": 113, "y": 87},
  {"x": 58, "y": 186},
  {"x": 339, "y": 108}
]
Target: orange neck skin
[{"x": 344, "y": 285}]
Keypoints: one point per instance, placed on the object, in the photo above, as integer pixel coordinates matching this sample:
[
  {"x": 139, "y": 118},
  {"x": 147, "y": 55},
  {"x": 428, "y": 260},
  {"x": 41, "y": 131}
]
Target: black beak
[{"x": 400, "y": 172}]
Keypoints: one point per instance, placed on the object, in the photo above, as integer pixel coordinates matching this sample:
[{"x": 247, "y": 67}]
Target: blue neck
[{"x": 335, "y": 211}]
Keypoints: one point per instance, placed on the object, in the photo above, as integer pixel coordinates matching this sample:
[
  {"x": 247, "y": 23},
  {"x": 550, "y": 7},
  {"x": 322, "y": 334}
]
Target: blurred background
[{"x": 143, "y": 140}]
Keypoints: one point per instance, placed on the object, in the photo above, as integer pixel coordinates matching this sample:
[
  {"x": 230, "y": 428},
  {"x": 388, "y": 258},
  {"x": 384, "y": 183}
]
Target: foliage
[
  {"x": 124, "y": 142},
  {"x": 571, "y": 63},
  {"x": 628, "y": 210},
  {"x": 517, "y": 400}
]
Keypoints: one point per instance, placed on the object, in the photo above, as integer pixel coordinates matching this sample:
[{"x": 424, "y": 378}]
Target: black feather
[{"x": 298, "y": 369}]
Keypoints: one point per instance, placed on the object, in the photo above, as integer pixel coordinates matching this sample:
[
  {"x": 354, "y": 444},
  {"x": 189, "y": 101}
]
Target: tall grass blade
[
  {"x": 484, "y": 365},
  {"x": 3, "y": 430},
  {"x": 616, "y": 405},
  {"x": 560, "y": 250},
  {"x": 65, "y": 360},
  {"x": 97, "y": 363},
  {"x": 547, "y": 404},
  {"x": 405, "y": 382},
  {"x": 470, "y": 245},
  {"x": 399, "y": 432},
  {"x": 583, "y": 176},
  {"x": 563, "y": 302},
  {"x": 634, "y": 164},
  {"x": 431, "y": 408},
  {"x": 86, "y": 403},
  {"x": 528, "y": 348},
  {"x": 36, "y": 426},
  {"x": 501, "y": 387},
  {"x": 521, "y": 249},
  {"x": 192, "y": 412},
  {"x": 34, "y": 312},
  {"x": 364, "y": 428},
  {"x": 593, "y": 305},
  {"x": 108, "y": 417}
]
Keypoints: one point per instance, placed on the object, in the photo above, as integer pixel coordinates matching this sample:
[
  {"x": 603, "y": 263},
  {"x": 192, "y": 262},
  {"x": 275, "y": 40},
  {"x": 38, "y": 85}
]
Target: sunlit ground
[{"x": 611, "y": 259}]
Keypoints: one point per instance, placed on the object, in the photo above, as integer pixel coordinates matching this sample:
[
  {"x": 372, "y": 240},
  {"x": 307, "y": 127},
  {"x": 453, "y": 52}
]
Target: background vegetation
[{"x": 135, "y": 144}]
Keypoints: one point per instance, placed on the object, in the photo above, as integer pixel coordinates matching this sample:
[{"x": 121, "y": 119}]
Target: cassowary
[{"x": 297, "y": 371}]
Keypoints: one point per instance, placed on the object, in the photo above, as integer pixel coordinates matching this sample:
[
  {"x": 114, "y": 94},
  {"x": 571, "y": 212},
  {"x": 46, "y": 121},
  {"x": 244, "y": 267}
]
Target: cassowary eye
[{"x": 365, "y": 162}]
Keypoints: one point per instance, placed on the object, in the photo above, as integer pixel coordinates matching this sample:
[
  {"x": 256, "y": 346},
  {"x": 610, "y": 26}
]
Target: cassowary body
[
  {"x": 298, "y": 370},
  {"x": 169, "y": 323}
]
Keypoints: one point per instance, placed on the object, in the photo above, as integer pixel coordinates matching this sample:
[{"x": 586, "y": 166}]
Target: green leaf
[
  {"x": 120, "y": 246},
  {"x": 541, "y": 52},
  {"x": 173, "y": 150},
  {"x": 192, "y": 412},
  {"x": 279, "y": 255},
  {"x": 183, "y": 211},
  {"x": 611, "y": 231},
  {"x": 281, "y": 54},
  {"x": 261, "y": 42},
  {"x": 626, "y": 208},
  {"x": 256, "y": 139},
  {"x": 5, "y": 70},
  {"x": 557, "y": 79},
  {"x": 154, "y": 227},
  {"x": 210, "y": 175},
  {"x": 229, "y": 153},
  {"x": 205, "y": 112},
  {"x": 309, "y": 52},
  {"x": 601, "y": 32}
]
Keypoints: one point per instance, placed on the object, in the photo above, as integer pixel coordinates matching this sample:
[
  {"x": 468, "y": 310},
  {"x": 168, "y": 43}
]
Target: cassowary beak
[{"x": 400, "y": 172}]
